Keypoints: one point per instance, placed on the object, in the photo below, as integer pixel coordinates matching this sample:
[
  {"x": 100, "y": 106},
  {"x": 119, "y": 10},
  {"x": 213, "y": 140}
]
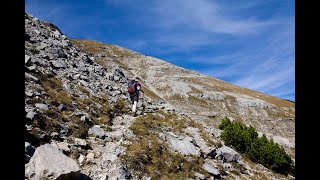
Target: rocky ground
[{"x": 78, "y": 123}]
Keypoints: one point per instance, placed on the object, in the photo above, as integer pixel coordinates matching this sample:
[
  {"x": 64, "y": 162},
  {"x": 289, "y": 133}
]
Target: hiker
[{"x": 134, "y": 87}]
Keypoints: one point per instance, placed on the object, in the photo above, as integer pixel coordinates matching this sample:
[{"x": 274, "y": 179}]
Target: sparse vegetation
[
  {"x": 151, "y": 94},
  {"x": 261, "y": 150},
  {"x": 120, "y": 107},
  {"x": 149, "y": 155},
  {"x": 54, "y": 88},
  {"x": 197, "y": 101}
]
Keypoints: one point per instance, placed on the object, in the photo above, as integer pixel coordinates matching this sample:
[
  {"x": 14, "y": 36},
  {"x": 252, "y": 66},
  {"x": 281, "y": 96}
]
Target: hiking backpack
[{"x": 131, "y": 86}]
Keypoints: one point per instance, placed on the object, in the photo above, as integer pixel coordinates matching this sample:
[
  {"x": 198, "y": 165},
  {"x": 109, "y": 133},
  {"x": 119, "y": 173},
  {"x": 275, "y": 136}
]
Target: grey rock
[
  {"x": 42, "y": 106},
  {"x": 89, "y": 157},
  {"x": 30, "y": 94},
  {"x": 76, "y": 76},
  {"x": 216, "y": 132},
  {"x": 83, "y": 118},
  {"x": 83, "y": 83},
  {"x": 30, "y": 77},
  {"x": 210, "y": 168},
  {"x": 56, "y": 33},
  {"x": 29, "y": 149},
  {"x": 80, "y": 142},
  {"x": 114, "y": 135},
  {"x": 229, "y": 154},
  {"x": 116, "y": 78},
  {"x": 61, "y": 107},
  {"x": 48, "y": 162},
  {"x": 183, "y": 146},
  {"x": 152, "y": 107},
  {"x": 26, "y": 59},
  {"x": 31, "y": 115},
  {"x": 31, "y": 68},
  {"x": 59, "y": 64},
  {"x": 62, "y": 146},
  {"x": 54, "y": 135},
  {"x": 197, "y": 140},
  {"x": 97, "y": 131},
  {"x": 42, "y": 46},
  {"x": 227, "y": 166},
  {"x": 62, "y": 54},
  {"x": 36, "y": 31},
  {"x": 200, "y": 176},
  {"x": 81, "y": 159}
]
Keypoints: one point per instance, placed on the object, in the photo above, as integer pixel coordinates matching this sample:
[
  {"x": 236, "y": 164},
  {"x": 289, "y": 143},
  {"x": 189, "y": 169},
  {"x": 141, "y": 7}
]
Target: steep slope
[
  {"x": 78, "y": 122},
  {"x": 201, "y": 97}
]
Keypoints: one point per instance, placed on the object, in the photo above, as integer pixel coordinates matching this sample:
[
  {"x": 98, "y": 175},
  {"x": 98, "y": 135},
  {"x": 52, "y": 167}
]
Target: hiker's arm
[{"x": 139, "y": 89}]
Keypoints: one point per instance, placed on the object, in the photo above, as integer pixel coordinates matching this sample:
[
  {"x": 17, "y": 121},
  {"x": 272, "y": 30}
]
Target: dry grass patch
[
  {"x": 147, "y": 154},
  {"x": 54, "y": 88},
  {"x": 151, "y": 94},
  {"x": 197, "y": 101}
]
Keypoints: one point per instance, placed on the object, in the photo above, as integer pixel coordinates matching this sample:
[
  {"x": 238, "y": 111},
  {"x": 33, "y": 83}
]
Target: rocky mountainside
[{"x": 78, "y": 123}]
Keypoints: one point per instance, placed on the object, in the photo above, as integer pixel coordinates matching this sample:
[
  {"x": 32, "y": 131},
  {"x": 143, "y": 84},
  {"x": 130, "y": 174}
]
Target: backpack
[{"x": 131, "y": 88}]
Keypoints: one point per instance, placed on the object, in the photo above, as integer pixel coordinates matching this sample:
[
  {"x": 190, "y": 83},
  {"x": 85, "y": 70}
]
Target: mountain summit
[{"x": 78, "y": 122}]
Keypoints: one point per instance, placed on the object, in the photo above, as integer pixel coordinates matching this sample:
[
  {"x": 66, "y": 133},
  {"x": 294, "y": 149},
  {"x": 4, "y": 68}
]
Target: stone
[
  {"x": 184, "y": 146},
  {"x": 31, "y": 68},
  {"x": 59, "y": 64},
  {"x": 90, "y": 157},
  {"x": 30, "y": 77},
  {"x": 29, "y": 149},
  {"x": 31, "y": 115},
  {"x": 83, "y": 83},
  {"x": 30, "y": 94},
  {"x": 116, "y": 78},
  {"x": 42, "y": 106},
  {"x": 36, "y": 31},
  {"x": 42, "y": 46},
  {"x": 81, "y": 159},
  {"x": 61, "y": 107},
  {"x": 64, "y": 147},
  {"x": 229, "y": 154},
  {"x": 210, "y": 169},
  {"x": 48, "y": 162},
  {"x": 200, "y": 176},
  {"x": 62, "y": 54},
  {"x": 26, "y": 59},
  {"x": 80, "y": 142},
  {"x": 97, "y": 131}
]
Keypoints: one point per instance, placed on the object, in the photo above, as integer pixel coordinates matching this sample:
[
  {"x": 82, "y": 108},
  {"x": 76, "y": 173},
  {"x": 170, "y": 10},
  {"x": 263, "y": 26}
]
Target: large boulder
[
  {"x": 183, "y": 146},
  {"x": 209, "y": 166},
  {"x": 228, "y": 153},
  {"x": 48, "y": 162}
]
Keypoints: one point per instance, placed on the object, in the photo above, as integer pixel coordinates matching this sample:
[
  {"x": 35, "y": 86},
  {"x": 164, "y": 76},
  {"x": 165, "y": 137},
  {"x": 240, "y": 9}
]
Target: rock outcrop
[{"x": 48, "y": 162}]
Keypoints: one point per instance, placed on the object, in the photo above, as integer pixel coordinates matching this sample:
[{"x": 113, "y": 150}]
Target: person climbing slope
[{"x": 134, "y": 88}]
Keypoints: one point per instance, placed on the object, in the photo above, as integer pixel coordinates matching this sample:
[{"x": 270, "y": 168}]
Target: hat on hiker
[{"x": 134, "y": 78}]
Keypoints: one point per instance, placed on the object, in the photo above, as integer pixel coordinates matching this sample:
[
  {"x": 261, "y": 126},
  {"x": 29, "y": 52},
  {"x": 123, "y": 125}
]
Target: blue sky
[{"x": 250, "y": 43}]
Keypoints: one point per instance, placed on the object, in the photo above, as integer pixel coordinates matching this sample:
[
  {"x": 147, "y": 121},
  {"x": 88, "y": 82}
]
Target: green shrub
[
  {"x": 261, "y": 150},
  {"x": 225, "y": 122}
]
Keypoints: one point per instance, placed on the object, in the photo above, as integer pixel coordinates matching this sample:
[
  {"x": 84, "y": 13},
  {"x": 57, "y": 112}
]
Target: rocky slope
[
  {"x": 78, "y": 123},
  {"x": 203, "y": 98}
]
